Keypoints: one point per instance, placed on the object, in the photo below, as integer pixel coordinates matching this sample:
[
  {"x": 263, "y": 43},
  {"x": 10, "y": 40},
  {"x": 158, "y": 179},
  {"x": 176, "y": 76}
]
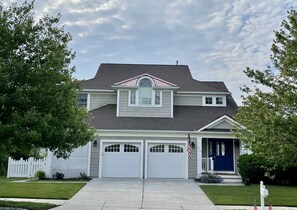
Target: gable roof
[
  {"x": 223, "y": 123},
  {"x": 180, "y": 75},
  {"x": 184, "y": 118}
]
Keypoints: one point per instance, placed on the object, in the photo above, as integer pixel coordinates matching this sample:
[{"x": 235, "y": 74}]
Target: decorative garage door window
[
  {"x": 113, "y": 148},
  {"x": 157, "y": 148},
  {"x": 130, "y": 148},
  {"x": 175, "y": 149}
]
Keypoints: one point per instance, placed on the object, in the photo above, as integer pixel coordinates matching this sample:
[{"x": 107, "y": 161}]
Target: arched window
[{"x": 145, "y": 91}]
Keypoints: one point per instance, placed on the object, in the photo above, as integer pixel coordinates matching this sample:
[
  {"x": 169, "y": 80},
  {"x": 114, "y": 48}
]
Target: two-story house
[{"x": 145, "y": 116}]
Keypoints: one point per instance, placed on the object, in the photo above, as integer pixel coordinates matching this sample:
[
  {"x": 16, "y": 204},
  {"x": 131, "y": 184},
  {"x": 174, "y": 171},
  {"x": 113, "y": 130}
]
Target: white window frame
[
  {"x": 153, "y": 96},
  {"x": 214, "y": 99}
]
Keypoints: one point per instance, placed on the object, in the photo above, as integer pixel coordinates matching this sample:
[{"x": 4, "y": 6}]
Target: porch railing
[{"x": 207, "y": 164}]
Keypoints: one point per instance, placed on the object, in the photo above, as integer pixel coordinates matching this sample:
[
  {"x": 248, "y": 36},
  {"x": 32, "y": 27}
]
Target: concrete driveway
[{"x": 135, "y": 194}]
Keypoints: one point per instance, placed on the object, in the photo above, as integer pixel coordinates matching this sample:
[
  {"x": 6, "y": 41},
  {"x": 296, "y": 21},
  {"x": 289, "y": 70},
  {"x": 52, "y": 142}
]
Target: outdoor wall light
[
  {"x": 193, "y": 145},
  {"x": 95, "y": 143}
]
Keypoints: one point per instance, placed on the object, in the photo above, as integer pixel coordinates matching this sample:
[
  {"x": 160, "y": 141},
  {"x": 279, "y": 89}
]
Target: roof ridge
[{"x": 143, "y": 64}]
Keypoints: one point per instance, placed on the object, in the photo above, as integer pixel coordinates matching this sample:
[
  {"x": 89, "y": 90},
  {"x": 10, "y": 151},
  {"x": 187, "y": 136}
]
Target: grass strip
[
  {"x": 245, "y": 195},
  {"x": 27, "y": 205}
]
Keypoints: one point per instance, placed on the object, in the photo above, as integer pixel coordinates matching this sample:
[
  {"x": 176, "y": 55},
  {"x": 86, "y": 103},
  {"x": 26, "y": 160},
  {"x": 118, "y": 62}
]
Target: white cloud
[{"x": 217, "y": 39}]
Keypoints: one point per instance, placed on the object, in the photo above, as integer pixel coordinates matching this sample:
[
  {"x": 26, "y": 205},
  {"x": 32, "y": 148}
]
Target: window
[
  {"x": 130, "y": 148},
  {"x": 208, "y": 100},
  {"x": 157, "y": 97},
  {"x": 175, "y": 149},
  {"x": 112, "y": 148},
  {"x": 145, "y": 91},
  {"x": 215, "y": 100},
  {"x": 133, "y": 97},
  {"x": 223, "y": 148},
  {"x": 217, "y": 148},
  {"x": 157, "y": 149},
  {"x": 82, "y": 99},
  {"x": 219, "y": 100}
]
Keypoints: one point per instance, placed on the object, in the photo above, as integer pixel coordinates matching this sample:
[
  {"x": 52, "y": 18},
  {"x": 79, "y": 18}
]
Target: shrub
[
  {"x": 209, "y": 178},
  {"x": 40, "y": 174},
  {"x": 59, "y": 175},
  {"x": 83, "y": 175},
  {"x": 252, "y": 168}
]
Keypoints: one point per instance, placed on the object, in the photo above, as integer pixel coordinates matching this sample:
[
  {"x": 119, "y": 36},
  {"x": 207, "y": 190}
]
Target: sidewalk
[{"x": 61, "y": 202}]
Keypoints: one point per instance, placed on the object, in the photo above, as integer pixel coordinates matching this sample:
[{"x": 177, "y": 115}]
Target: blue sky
[{"x": 218, "y": 39}]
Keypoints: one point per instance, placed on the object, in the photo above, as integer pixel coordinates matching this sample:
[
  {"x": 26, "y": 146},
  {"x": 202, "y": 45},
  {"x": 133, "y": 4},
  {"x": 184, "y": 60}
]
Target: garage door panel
[
  {"x": 121, "y": 161},
  {"x": 166, "y": 161}
]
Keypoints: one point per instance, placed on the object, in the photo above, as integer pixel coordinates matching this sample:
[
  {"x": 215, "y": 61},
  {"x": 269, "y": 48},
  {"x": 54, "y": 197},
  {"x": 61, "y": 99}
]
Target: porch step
[{"x": 231, "y": 178}]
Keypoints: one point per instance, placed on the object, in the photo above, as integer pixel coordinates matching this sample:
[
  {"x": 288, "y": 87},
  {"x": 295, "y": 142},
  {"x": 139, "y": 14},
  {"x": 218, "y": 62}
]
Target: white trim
[
  {"x": 171, "y": 101},
  {"x": 118, "y": 102},
  {"x": 102, "y": 141},
  {"x": 89, "y": 158},
  {"x": 214, "y": 97},
  {"x": 234, "y": 157},
  {"x": 199, "y": 147},
  {"x": 147, "y": 142},
  {"x": 207, "y": 93},
  {"x": 96, "y": 90},
  {"x": 88, "y": 101}
]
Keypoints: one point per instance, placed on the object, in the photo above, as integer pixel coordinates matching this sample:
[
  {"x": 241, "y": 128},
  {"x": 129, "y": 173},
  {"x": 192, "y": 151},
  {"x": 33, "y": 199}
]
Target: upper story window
[
  {"x": 208, "y": 100},
  {"x": 145, "y": 92},
  {"x": 219, "y": 100},
  {"x": 145, "y": 95},
  {"x": 82, "y": 99},
  {"x": 214, "y": 101}
]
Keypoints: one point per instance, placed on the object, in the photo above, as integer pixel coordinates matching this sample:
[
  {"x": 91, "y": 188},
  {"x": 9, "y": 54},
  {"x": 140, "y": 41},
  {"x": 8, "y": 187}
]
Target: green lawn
[
  {"x": 245, "y": 195},
  {"x": 27, "y": 205},
  {"x": 62, "y": 190}
]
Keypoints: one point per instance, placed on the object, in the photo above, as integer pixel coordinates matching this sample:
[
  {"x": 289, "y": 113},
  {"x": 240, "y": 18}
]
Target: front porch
[{"x": 219, "y": 156}]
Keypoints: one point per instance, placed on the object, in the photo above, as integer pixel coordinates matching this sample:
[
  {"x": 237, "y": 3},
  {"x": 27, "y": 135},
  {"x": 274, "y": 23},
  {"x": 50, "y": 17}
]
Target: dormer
[{"x": 145, "y": 95}]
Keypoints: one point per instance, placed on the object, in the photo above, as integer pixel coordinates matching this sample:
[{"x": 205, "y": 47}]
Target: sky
[{"x": 217, "y": 39}]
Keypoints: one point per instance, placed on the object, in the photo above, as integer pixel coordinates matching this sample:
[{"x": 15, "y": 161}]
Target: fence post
[
  {"x": 8, "y": 169},
  {"x": 48, "y": 164},
  {"x": 30, "y": 161}
]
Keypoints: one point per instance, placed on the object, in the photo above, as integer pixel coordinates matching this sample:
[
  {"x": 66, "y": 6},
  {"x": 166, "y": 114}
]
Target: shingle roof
[
  {"x": 109, "y": 74},
  {"x": 184, "y": 118}
]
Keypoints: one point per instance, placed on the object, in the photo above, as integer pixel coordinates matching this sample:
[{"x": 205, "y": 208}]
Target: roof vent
[{"x": 177, "y": 63}]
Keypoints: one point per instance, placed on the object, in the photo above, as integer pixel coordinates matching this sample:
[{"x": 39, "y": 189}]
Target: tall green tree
[
  {"x": 269, "y": 119},
  {"x": 37, "y": 91}
]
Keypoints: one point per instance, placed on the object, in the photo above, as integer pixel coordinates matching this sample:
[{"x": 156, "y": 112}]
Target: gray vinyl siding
[
  {"x": 141, "y": 111},
  {"x": 192, "y": 169},
  {"x": 94, "y": 167},
  {"x": 222, "y": 125},
  {"x": 98, "y": 100},
  {"x": 182, "y": 100}
]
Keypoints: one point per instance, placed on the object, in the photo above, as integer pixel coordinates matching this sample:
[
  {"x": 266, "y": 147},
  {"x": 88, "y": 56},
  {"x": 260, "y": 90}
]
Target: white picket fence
[{"x": 25, "y": 168}]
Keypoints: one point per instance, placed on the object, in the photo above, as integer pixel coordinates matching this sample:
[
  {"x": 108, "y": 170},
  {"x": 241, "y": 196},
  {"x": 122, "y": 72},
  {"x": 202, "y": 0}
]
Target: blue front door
[{"x": 221, "y": 150}]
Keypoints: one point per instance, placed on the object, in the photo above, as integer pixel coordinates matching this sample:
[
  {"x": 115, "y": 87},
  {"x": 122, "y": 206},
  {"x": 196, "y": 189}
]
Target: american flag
[
  {"x": 270, "y": 206},
  {"x": 189, "y": 147},
  {"x": 255, "y": 205}
]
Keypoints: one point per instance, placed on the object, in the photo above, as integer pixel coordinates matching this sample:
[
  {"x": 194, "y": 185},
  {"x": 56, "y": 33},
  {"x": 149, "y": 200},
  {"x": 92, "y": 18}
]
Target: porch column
[{"x": 199, "y": 156}]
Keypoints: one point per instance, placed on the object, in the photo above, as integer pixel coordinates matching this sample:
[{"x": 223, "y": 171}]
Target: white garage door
[
  {"x": 166, "y": 161},
  {"x": 121, "y": 160}
]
